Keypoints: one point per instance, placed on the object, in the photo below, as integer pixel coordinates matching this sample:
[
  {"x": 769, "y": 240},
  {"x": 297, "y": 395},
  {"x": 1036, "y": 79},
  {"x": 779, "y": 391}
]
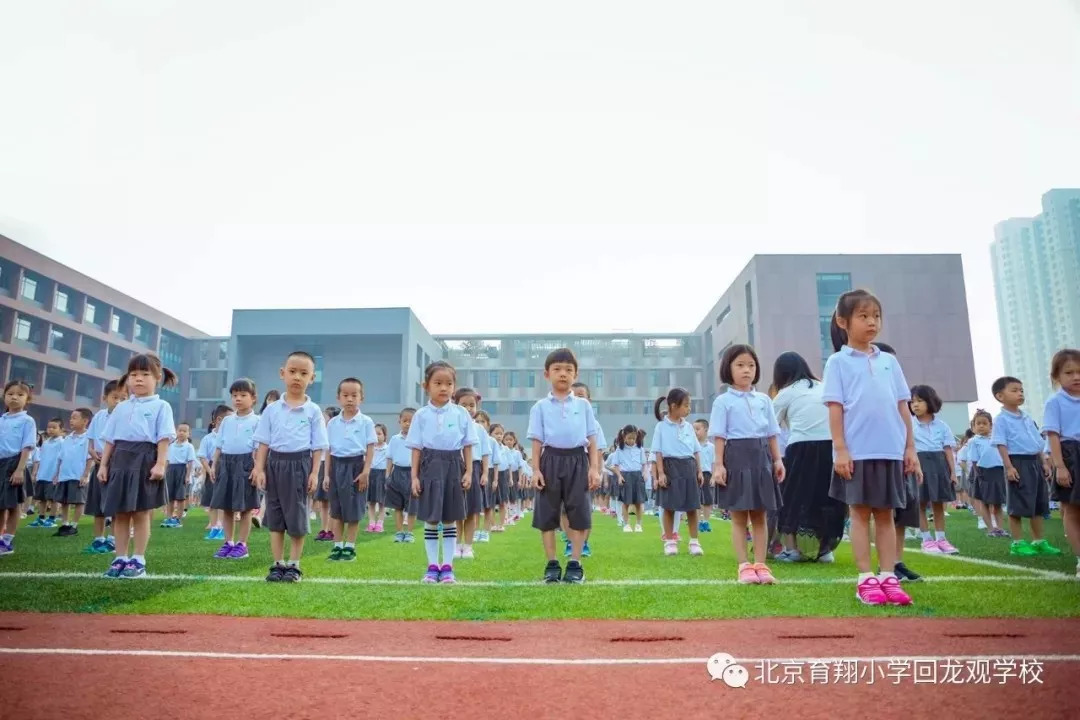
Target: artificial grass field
[{"x": 627, "y": 577}]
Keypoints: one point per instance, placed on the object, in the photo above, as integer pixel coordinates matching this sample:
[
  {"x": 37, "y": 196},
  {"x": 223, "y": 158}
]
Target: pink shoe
[
  {"x": 869, "y": 592},
  {"x": 764, "y": 574},
  {"x": 747, "y": 575},
  {"x": 446, "y": 575},
  {"x": 671, "y": 547},
  {"x": 675, "y": 536},
  {"x": 695, "y": 548},
  {"x": 931, "y": 546},
  {"x": 371, "y": 527},
  {"x": 947, "y": 547},
  {"x": 378, "y": 527},
  {"x": 893, "y": 592}
]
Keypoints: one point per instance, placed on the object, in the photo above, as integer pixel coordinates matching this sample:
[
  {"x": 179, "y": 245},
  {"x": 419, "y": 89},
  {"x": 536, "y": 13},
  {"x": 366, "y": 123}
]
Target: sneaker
[
  {"x": 219, "y": 533},
  {"x": 575, "y": 573},
  {"x": 484, "y": 537},
  {"x": 981, "y": 525},
  {"x": 947, "y": 548},
  {"x": 49, "y": 523},
  {"x": 98, "y": 547},
  {"x": 1044, "y": 548},
  {"x": 788, "y": 556},
  {"x": 330, "y": 537},
  {"x": 116, "y": 569},
  {"x": 239, "y": 552},
  {"x": 869, "y": 592},
  {"x": 459, "y": 551},
  {"x": 638, "y": 528},
  {"x": 291, "y": 574},
  {"x": 38, "y": 522},
  {"x": 904, "y": 574},
  {"x": 706, "y": 526},
  {"x": 276, "y": 574},
  {"x": 110, "y": 543},
  {"x": 1022, "y": 548},
  {"x": 348, "y": 554},
  {"x": 399, "y": 537},
  {"x": 764, "y": 574},
  {"x": 209, "y": 534},
  {"x": 225, "y": 551},
  {"x": 585, "y": 551},
  {"x": 569, "y": 549},
  {"x": 335, "y": 554},
  {"x": 133, "y": 569},
  {"x": 320, "y": 536},
  {"x": 378, "y": 529},
  {"x": 827, "y": 558},
  {"x": 894, "y": 594},
  {"x": 176, "y": 524},
  {"x": 695, "y": 548},
  {"x": 931, "y": 546},
  {"x": 311, "y": 516},
  {"x": 671, "y": 547},
  {"x": 66, "y": 531},
  {"x": 166, "y": 523},
  {"x": 909, "y": 534},
  {"x": 446, "y": 575},
  {"x": 675, "y": 536},
  {"x": 627, "y": 528},
  {"x": 552, "y": 572},
  {"x": 747, "y": 575},
  {"x": 409, "y": 538},
  {"x": 432, "y": 574},
  {"x": 999, "y": 533},
  {"x": 370, "y": 527},
  {"x": 467, "y": 553}
]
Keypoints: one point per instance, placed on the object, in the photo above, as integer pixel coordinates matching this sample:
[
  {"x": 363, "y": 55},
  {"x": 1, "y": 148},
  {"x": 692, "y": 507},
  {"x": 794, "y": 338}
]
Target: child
[
  {"x": 501, "y": 489},
  {"x": 1062, "y": 423},
  {"x": 399, "y": 495},
  {"x": 748, "y": 464},
  {"x": 178, "y": 475},
  {"x": 320, "y": 501},
  {"x": 678, "y": 468},
  {"x": 481, "y": 460},
  {"x": 441, "y": 444},
  {"x": 627, "y": 462},
  {"x": 256, "y": 518},
  {"x": 29, "y": 478},
  {"x": 873, "y": 441},
  {"x": 207, "y": 452},
  {"x": 290, "y": 443},
  {"x": 513, "y": 489},
  {"x": 988, "y": 486},
  {"x": 565, "y": 464},
  {"x": 708, "y": 459},
  {"x": 17, "y": 434},
  {"x": 376, "y": 489},
  {"x": 1020, "y": 445},
  {"x": 581, "y": 390},
  {"x": 73, "y": 473},
  {"x": 48, "y": 464},
  {"x": 934, "y": 443},
  {"x": 351, "y": 435},
  {"x": 102, "y": 544},
  {"x": 137, "y": 437},
  {"x": 483, "y": 420},
  {"x": 965, "y": 471},
  {"x": 234, "y": 488}
]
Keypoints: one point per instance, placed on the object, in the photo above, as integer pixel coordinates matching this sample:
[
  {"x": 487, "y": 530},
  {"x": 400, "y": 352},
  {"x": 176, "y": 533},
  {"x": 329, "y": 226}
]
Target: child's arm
[
  {"x": 950, "y": 458},
  {"x": 594, "y": 463},
  {"x": 661, "y": 478},
  {"x": 103, "y": 466},
  {"x": 843, "y": 464},
  {"x": 259, "y": 473},
  {"x": 84, "y": 479},
  {"x": 158, "y": 471},
  {"x": 327, "y": 476},
  {"x": 466, "y": 478},
  {"x": 415, "y": 470},
  {"x": 538, "y": 477},
  {"x": 719, "y": 472},
  {"x": 1063, "y": 477},
  {"x": 911, "y": 458},
  {"x": 17, "y": 476},
  {"x": 365, "y": 474},
  {"x": 216, "y": 463},
  {"x": 700, "y": 472},
  {"x": 779, "y": 472}
]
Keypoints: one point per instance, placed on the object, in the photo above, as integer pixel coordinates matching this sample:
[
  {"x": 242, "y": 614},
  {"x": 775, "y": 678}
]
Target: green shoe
[
  {"x": 336, "y": 554},
  {"x": 348, "y": 554},
  {"x": 1044, "y": 548},
  {"x": 1022, "y": 548}
]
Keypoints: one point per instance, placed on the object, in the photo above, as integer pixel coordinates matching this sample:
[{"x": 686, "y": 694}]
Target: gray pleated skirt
[
  {"x": 1070, "y": 453},
  {"x": 376, "y": 489},
  {"x": 442, "y": 498},
  {"x": 176, "y": 482},
  {"x": 11, "y": 496},
  {"x": 130, "y": 488},
  {"x": 937, "y": 484},
  {"x": 632, "y": 491},
  {"x": 681, "y": 494},
  {"x": 70, "y": 492},
  {"x": 474, "y": 496},
  {"x": 95, "y": 495},
  {"x": 875, "y": 484},
  {"x": 708, "y": 492},
  {"x": 233, "y": 490},
  {"x": 346, "y": 502},
  {"x": 908, "y": 516},
  {"x": 502, "y": 493},
  {"x": 750, "y": 481},
  {"x": 990, "y": 485},
  {"x": 488, "y": 493}
]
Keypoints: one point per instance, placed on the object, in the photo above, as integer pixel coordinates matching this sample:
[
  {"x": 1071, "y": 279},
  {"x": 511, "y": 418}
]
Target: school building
[{"x": 67, "y": 333}]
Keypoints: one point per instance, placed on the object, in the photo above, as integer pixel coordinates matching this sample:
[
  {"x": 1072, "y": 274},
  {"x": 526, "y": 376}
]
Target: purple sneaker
[
  {"x": 446, "y": 575},
  {"x": 239, "y": 552},
  {"x": 225, "y": 551},
  {"x": 432, "y": 574}
]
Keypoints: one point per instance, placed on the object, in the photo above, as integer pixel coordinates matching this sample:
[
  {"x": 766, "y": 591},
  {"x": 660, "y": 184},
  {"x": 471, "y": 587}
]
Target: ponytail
[
  {"x": 837, "y": 334},
  {"x": 656, "y": 407}
]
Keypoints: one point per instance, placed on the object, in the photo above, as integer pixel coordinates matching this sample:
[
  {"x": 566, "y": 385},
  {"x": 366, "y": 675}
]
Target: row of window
[
  {"x": 593, "y": 378},
  {"x": 479, "y": 349},
  {"x": 57, "y": 382},
  {"x": 602, "y": 407},
  {"x": 30, "y": 332}
]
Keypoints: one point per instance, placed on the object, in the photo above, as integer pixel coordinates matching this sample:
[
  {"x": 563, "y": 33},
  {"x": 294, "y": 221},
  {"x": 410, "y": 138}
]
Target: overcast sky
[{"x": 329, "y": 154}]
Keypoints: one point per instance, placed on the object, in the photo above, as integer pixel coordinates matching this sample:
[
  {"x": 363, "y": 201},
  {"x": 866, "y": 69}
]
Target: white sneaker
[
  {"x": 695, "y": 548},
  {"x": 627, "y": 529},
  {"x": 638, "y": 528},
  {"x": 982, "y": 524},
  {"x": 311, "y": 516},
  {"x": 459, "y": 551},
  {"x": 467, "y": 553}
]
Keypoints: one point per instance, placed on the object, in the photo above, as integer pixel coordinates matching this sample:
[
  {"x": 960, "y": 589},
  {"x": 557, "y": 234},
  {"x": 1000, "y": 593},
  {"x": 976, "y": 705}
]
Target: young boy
[
  {"x": 73, "y": 472},
  {"x": 565, "y": 463},
  {"x": 102, "y": 544},
  {"x": 178, "y": 475},
  {"x": 399, "y": 495},
  {"x": 48, "y": 464},
  {"x": 1020, "y": 444},
  {"x": 291, "y": 438},
  {"x": 351, "y": 437},
  {"x": 707, "y": 491}
]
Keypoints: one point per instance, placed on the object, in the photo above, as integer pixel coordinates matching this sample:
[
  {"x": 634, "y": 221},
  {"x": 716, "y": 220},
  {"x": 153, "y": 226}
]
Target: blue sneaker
[
  {"x": 707, "y": 528},
  {"x": 38, "y": 522},
  {"x": 133, "y": 569},
  {"x": 7, "y": 548},
  {"x": 117, "y": 568},
  {"x": 399, "y": 537},
  {"x": 585, "y": 551},
  {"x": 110, "y": 544},
  {"x": 166, "y": 523},
  {"x": 98, "y": 547},
  {"x": 211, "y": 534},
  {"x": 569, "y": 549}
]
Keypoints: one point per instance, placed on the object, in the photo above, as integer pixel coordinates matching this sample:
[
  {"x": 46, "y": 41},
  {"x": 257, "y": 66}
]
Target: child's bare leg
[
  {"x": 692, "y": 523},
  {"x": 352, "y": 530},
  {"x": 230, "y": 525},
  {"x": 739, "y": 518},
  {"x": 759, "y": 528},
  {"x": 296, "y": 549},
  {"x": 939, "y": 517},
  {"x": 669, "y": 523},
  {"x": 277, "y": 546},
  {"x": 860, "y": 536},
  {"x": 245, "y": 527},
  {"x": 885, "y": 538}
]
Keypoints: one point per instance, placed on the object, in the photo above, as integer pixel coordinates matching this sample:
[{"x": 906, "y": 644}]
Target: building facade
[{"x": 1036, "y": 263}]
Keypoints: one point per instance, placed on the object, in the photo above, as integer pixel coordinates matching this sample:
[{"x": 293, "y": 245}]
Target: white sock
[
  {"x": 111, "y": 538},
  {"x": 100, "y": 538},
  {"x": 939, "y": 535},
  {"x": 865, "y": 576},
  {"x": 139, "y": 558},
  {"x": 927, "y": 536},
  {"x": 885, "y": 575},
  {"x": 449, "y": 544},
  {"x": 339, "y": 544},
  {"x": 431, "y": 543},
  {"x": 351, "y": 546}
]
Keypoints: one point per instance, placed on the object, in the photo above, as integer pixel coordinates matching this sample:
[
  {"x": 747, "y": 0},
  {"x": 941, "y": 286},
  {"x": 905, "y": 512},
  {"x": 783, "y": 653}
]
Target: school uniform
[
  {"x": 629, "y": 460},
  {"x": 931, "y": 439},
  {"x": 1018, "y": 433},
  {"x": 746, "y": 421},
  {"x": 491, "y": 492},
  {"x": 291, "y": 434},
  {"x": 95, "y": 491},
  {"x": 440, "y": 434},
  {"x": 48, "y": 465},
  {"x": 207, "y": 449},
  {"x": 650, "y": 480},
  {"x": 502, "y": 492},
  {"x": 677, "y": 444},
  {"x": 349, "y": 442},
  {"x": 181, "y": 456},
  {"x": 988, "y": 474},
  {"x": 1062, "y": 416},
  {"x": 707, "y": 453},
  {"x": 134, "y": 429},
  {"x": 28, "y": 473},
  {"x": 516, "y": 462},
  {"x": 376, "y": 489},
  {"x": 74, "y": 452},
  {"x": 481, "y": 448},
  {"x": 234, "y": 489},
  {"x": 399, "y": 484},
  {"x": 870, "y": 387},
  {"x": 18, "y": 432},
  {"x": 563, "y": 427},
  {"x": 321, "y": 495}
]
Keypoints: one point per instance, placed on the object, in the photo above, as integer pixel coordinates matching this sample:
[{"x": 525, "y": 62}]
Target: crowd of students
[{"x": 859, "y": 449}]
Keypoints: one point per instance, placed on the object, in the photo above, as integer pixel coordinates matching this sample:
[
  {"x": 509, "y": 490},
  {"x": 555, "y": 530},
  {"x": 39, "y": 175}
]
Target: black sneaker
[
  {"x": 574, "y": 573},
  {"x": 336, "y": 554},
  {"x": 277, "y": 573},
  {"x": 904, "y": 575},
  {"x": 348, "y": 554},
  {"x": 292, "y": 574},
  {"x": 553, "y": 572}
]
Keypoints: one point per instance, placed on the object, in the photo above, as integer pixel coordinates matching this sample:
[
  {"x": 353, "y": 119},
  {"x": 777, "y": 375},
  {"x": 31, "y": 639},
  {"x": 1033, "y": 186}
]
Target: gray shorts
[
  {"x": 346, "y": 502},
  {"x": 399, "y": 491},
  {"x": 286, "y": 493},
  {"x": 176, "y": 482},
  {"x": 566, "y": 487},
  {"x": 69, "y": 492},
  {"x": 1030, "y": 497}
]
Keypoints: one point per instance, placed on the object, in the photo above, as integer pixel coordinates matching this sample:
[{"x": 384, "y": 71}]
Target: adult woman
[{"x": 809, "y": 516}]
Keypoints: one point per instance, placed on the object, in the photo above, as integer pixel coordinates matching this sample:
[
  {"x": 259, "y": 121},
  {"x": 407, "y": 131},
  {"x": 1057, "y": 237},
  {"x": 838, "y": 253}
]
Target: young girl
[
  {"x": 474, "y": 496},
  {"x": 1061, "y": 420},
  {"x": 963, "y": 494},
  {"x": 377, "y": 483},
  {"x": 441, "y": 467},
  {"x": 483, "y": 421},
  {"x": 137, "y": 438},
  {"x": 17, "y": 435},
  {"x": 873, "y": 440},
  {"x": 207, "y": 449},
  {"x": 321, "y": 496},
  {"x": 987, "y": 474},
  {"x": 513, "y": 489},
  {"x": 748, "y": 463},
  {"x": 178, "y": 476},
  {"x": 234, "y": 460},
  {"x": 500, "y": 491},
  {"x": 708, "y": 459},
  {"x": 627, "y": 463},
  {"x": 47, "y": 464},
  {"x": 399, "y": 497},
  {"x": 934, "y": 443},
  {"x": 678, "y": 468}
]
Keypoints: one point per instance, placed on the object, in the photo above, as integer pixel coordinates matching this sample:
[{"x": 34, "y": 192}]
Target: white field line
[
  {"x": 201, "y": 655},
  {"x": 674, "y": 582},
  {"x": 1049, "y": 574}
]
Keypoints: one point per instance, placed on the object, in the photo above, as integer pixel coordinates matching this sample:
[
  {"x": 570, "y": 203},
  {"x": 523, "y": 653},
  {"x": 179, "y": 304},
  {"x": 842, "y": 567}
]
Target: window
[
  {"x": 749, "y": 298},
  {"x": 723, "y": 314},
  {"x": 25, "y": 370},
  {"x": 117, "y": 357},
  {"x": 418, "y": 396},
  {"x": 628, "y": 407},
  {"x": 59, "y": 342},
  {"x": 88, "y": 387},
  {"x": 647, "y": 407},
  {"x": 90, "y": 313},
  {"x": 22, "y": 329},
  {"x": 56, "y": 380},
  {"x": 531, "y": 378},
  {"x": 419, "y": 357},
  {"x": 654, "y": 378},
  {"x": 114, "y": 323},
  {"x": 631, "y": 379},
  {"x": 61, "y": 304},
  {"x": 514, "y": 378},
  {"x": 521, "y": 407},
  {"x": 830, "y": 286},
  {"x": 142, "y": 332},
  {"x": 92, "y": 350},
  {"x": 493, "y": 378},
  {"x": 427, "y": 360},
  {"x": 598, "y": 379},
  {"x": 223, "y": 350},
  {"x": 29, "y": 288}
]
